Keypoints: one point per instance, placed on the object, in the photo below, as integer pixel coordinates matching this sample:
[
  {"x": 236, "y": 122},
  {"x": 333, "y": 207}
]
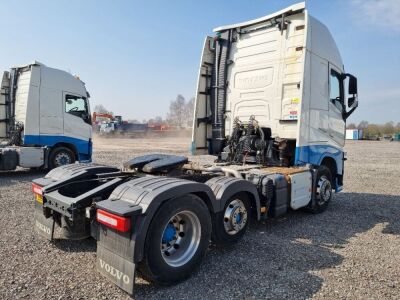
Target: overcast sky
[{"x": 136, "y": 56}]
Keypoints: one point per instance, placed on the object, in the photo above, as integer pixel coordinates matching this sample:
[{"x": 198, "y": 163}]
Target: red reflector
[
  {"x": 37, "y": 189},
  {"x": 113, "y": 221}
]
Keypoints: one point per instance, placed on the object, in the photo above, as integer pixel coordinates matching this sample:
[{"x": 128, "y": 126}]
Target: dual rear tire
[
  {"x": 177, "y": 240},
  {"x": 179, "y": 235}
]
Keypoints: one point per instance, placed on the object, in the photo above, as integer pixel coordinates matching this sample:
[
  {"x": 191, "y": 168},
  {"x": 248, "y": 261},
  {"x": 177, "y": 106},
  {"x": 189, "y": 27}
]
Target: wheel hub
[
  {"x": 235, "y": 217},
  {"x": 324, "y": 190},
  {"x": 169, "y": 234},
  {"x": 62, "y": 159},
  {"x": 180, "y": 238}
]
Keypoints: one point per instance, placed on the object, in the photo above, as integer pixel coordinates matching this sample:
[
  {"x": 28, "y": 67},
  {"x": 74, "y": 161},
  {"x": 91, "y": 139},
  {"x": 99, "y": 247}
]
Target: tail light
[
  {"x": 37, "y": 189},
  {"x": 119, "y": 223}
]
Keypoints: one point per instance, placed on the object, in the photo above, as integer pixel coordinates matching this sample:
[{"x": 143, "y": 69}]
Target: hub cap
[
  {"x": 324, "y": 190},
  {"x": 62, "y": 158},
  {"x": 235, "y": 217},
  {"x": 180, "y": 239}
]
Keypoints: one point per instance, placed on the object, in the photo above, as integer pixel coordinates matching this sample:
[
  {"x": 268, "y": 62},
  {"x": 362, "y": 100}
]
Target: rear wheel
[
  {"x": 177, "y": 240},
  {"x": 231, "y": 224},
  {"x": 60, "y": 156},
  {"x": 323, "y": 191}
]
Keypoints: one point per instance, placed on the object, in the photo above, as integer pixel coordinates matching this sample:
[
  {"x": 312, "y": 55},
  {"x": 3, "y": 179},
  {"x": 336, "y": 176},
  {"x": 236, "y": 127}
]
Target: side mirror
[
  {"x": 352, "y": 101},
  {"x": 352, "y": 84}
]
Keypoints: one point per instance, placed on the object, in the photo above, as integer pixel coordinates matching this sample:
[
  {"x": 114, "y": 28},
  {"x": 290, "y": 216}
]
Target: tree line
[
  {"x": 376, "y": 130},
  {"x": 180, "y": 113}
]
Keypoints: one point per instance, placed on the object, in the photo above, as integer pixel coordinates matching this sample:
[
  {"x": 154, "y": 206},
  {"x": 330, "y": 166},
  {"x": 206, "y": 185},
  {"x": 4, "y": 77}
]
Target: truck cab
[
  {"x": 44, "y": 118},
  {"x": 283, "y": 71}
]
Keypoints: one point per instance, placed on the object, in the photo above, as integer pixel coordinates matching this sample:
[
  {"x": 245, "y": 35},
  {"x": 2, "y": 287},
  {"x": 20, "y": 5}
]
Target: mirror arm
[{"x": 347, "y": 114}]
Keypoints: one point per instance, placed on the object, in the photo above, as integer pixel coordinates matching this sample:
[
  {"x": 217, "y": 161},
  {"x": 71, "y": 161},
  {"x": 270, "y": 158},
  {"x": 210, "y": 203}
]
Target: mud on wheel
[
  {"x": 231, "y": 224},
  {"x": 177, "y": 240}
]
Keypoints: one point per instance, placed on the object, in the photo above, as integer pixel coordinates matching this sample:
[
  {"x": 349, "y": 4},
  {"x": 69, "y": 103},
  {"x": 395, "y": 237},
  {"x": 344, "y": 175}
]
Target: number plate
[{"x": 39, "y": 198}]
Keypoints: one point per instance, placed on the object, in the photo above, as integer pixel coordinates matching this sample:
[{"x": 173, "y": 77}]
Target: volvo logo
[
  {"x": 42, "y": 227},
  {"x": 114, "y": 272}
]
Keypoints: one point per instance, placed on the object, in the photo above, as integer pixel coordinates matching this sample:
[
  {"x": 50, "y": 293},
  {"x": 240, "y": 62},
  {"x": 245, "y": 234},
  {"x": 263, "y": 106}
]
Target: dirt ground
[{"x": 350, "y": 251}]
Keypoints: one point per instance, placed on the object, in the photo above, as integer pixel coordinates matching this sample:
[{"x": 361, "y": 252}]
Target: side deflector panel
[{"x": 202, "y": 113}]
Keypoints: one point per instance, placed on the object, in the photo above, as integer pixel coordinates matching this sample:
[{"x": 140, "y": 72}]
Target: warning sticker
[{"x": 295, "y": 100}]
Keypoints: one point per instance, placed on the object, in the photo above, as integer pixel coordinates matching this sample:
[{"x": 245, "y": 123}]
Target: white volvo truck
[
  {"x": 44, "y": 118},
  {"x": 272, "y": 102}
]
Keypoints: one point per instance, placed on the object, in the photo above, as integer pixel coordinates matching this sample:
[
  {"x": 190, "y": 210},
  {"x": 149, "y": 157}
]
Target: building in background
[{"x": 353, "y": 134}]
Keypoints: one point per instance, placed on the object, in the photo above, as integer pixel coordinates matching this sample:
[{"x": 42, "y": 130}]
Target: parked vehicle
[
  {"x": 96, "y": 124},
  {"x": 116, "y": 126},
  {"x": 270, "y": 106},
  {"x": 395, "y": 137},
  {"x": 44, "y": 118}
]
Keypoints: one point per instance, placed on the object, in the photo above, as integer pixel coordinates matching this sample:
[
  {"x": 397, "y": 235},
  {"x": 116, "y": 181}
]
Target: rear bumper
[{"x": 115, "y": 250}]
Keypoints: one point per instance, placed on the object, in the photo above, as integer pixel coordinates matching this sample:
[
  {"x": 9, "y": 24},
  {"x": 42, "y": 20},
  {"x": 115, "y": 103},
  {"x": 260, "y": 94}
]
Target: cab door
[
  {"x": 336, "y": 107},
  {"x": 77, "y": 123}
]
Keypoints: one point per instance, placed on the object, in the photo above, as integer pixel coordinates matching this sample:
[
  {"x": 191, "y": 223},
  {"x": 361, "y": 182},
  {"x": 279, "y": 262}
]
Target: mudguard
[
  {"x": 69, "y": 173},
  {"x": 225, "y": 187},
  {"x": 140, "y": 198}
]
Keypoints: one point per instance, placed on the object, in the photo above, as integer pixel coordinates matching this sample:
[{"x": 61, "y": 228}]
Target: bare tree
[
  {"x": 388, "y": 128},
  {"x": 351, "y": 126},
  {"x": 176, "y": 115},
  {"x": 158, "y": 120},
  {"x": 363, "y": 125},
  {"x": 99, "y": 108},
  {"x": 189, "y": 112}
]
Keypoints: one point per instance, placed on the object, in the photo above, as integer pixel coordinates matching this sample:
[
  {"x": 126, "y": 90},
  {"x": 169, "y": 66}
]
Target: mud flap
[
  {"x": 116, "y": 268},
  {"x": 44, "y": 227}
]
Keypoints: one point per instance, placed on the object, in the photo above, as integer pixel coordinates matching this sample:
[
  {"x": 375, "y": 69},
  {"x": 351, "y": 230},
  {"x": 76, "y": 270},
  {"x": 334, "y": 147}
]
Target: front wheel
[
  {"x": 323, "y": 190},
  {"x": 60, "y": 156},
  {"x": 177, "y": 240},
  {"x": 230, "y": 225}
]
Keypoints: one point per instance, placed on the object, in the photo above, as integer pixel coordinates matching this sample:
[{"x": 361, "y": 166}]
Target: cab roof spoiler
[{"x": 293, "y": 9}]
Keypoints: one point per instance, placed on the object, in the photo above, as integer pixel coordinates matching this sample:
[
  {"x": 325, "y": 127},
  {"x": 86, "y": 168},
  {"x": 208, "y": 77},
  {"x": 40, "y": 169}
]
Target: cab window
[
  {"x": 336, "y": 90},
  {"x": 77, "y": 106}
]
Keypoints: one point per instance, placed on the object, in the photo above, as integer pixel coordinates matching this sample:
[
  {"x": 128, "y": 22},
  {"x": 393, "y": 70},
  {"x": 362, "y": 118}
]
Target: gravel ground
[{"x": 350, "y": 251}]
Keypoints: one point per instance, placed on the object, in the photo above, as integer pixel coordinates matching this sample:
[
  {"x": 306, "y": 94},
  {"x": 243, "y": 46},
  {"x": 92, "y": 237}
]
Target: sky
[{"x": 136, "y": 56}]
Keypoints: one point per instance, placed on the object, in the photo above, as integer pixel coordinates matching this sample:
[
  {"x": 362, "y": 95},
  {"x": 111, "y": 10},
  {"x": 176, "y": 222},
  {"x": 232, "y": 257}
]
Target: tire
[
  {"x": 61, "y": 156},
  {"x": 230, "y": 225},
  {"x": 323, "y": 191},
  {"x": 177, "y": 240}
]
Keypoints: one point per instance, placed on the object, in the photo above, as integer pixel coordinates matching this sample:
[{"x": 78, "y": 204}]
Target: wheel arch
[
  {"x": 331, "y": 164},
  {"x": 70, "y": 146},
  {"x": 226, "y": 187},
  {"x": 150, "y": 193}
]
